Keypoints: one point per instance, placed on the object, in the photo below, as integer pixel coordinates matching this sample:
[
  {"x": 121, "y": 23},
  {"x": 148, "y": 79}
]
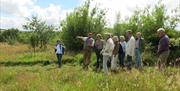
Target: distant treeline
[{"x": 12, "y": 36}]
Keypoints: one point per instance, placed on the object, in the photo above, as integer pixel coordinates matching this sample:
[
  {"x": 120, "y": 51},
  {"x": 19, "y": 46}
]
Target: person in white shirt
[
  {"x": 59, "y": 51},
  {"x": 107, "y": 51},
  {"x": 88, "y": 48},
  {"x": 130, "y": 46}
]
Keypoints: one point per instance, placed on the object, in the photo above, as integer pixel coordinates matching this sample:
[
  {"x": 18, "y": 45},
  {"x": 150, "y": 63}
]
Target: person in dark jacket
[
  {"x": 122, "y": 50},
  {"x": 139, "y": 48},
  {"x": 98, "y": 46},
  {"x": 163, "y": 49}
]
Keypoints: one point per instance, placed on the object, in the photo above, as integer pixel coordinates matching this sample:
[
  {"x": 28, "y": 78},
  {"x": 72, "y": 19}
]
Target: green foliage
[
  {"x": 34, "y": 40},
  {"x": 1, "y": 37},
  {"x": 148, "y": 20},
  {"x": 24, "y": 37},
  {"x": 81, "y": 21},
  {"x": 9, "y": 36},
  {"x": 42, "y": 33},
  {"x": 174, "y": 51}
]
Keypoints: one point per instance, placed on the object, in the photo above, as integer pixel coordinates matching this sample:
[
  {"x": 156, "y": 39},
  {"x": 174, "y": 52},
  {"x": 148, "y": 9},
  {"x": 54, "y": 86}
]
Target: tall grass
[
  {"x": 24, "y": 72},
  {"x": 72, "y": 78}
]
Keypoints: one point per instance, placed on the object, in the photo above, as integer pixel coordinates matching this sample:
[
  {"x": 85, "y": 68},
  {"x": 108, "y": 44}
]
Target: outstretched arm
[{"x": 79, "y": 37}]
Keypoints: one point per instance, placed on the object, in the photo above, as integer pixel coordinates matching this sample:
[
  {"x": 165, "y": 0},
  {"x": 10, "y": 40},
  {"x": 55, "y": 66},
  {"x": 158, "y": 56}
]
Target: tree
[
  {"x": 147, "y": 21},
  {"x": 41, "y": 32},
  {"x": 81, "y": 21}
]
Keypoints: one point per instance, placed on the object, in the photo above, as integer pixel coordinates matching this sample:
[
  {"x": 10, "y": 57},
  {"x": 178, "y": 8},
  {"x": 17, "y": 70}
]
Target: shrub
[{"x": 149, "y": 58}]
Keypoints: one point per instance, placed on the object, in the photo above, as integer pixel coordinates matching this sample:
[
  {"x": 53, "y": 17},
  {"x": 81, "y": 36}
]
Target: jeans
[
  {"x": 106, "y": 58},
  {"x": 129, "y": 59},
  {"x": 121, "y": 59},
  {"x": 59, "y": 57},
  {"x": 99, "y": 58},
  {"x": 138, "y": 58}
]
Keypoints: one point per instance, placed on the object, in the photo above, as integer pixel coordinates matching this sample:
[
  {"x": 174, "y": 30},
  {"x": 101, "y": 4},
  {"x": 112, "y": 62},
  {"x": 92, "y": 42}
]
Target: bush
[
  {"x": 24, "y": 37},
  {"x": 149, "y": 59},
  {"x": 9, "y": 36}
]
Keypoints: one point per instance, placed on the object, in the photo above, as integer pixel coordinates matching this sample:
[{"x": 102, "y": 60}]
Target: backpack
[{"x": 62, "y": 49}]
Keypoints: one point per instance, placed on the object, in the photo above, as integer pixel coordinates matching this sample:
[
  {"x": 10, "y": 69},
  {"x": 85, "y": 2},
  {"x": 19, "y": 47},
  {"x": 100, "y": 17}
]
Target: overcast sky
[{"x": 13, "y": 12}]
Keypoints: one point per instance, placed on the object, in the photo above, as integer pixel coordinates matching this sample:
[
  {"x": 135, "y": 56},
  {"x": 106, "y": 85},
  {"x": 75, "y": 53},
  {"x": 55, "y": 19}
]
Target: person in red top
[{"x": 88, "y": 48}]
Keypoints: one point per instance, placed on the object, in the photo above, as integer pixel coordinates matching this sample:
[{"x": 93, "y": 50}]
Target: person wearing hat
[
  {"x": 130, "y": 46},
  {"x": 122, "y": 51},
  {"x": 107, "y": 51},
  {"x": 163, "y": 49},
  {"x": 115, "y": 54},
  {"x": 59, "y": 50},
  {"x": 98, "y": 46},
  {"x": 88, "y": 48},
  {"x": 139, "y": 48}
]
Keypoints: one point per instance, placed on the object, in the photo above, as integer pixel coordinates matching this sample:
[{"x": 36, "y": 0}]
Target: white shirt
[
  {"x": 58, "y": 49},
  {"x": 108, "y": 48},
  {"x": 123, "y": 44},
  {"x": 130, "y": 46}
]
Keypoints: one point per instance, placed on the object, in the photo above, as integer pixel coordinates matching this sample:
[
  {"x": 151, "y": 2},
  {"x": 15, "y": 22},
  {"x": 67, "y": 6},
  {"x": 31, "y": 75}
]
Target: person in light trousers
[
  {"x": 107, "y": 51},
  {"x": 115, "y": 54}
]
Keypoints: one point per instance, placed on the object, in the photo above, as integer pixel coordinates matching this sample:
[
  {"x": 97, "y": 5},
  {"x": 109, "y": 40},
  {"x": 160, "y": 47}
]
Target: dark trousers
[
  {"x": 129, "y": 59},
  {"x": 99, "y": 58},
  {"x": 121, "y": 59},
  {"x": 59, "y": 57}
]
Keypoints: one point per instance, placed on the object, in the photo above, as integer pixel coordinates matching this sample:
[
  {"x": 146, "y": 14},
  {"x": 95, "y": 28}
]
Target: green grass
[
  {"x": 21, "y": 71},
  {"x": 73, "y": 78}
]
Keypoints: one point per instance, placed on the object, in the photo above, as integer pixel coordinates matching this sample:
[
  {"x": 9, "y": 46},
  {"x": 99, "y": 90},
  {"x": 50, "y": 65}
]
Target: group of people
[{"x": 111, "y": 51}]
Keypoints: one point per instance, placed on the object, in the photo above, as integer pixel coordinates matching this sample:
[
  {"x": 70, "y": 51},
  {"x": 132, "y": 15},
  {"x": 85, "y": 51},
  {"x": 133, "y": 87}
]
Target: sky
[{"x": 14, "y": 12}]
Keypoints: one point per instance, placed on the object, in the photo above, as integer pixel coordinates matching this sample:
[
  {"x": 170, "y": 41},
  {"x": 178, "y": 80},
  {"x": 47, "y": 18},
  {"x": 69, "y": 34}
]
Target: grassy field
[{"x": 21, "y": 71}]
